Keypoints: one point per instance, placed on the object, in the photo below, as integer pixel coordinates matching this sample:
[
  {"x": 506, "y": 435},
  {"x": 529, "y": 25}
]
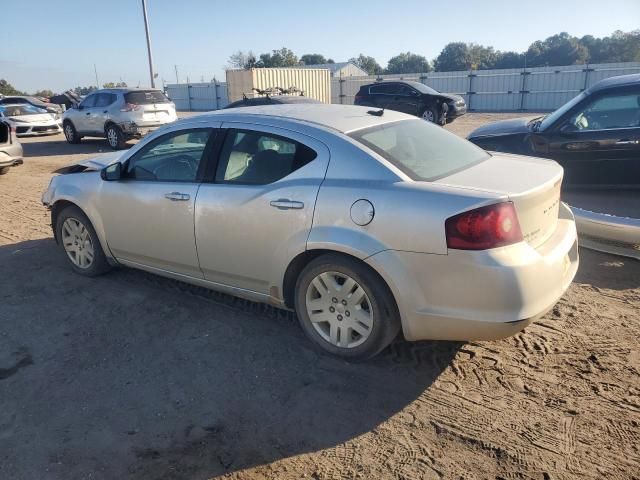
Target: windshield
[
  {"x": 421, "y": 150},
  {"x": 17, "y": 110},
  {"x": 550, "y": 119}
]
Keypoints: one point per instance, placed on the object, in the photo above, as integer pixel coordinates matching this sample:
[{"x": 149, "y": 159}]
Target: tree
[
  {"x": 509, "y": 60},
  {"x": 330, "y": 60},
  {"x": 560, "y": 49},
  {"x": 242, "y": 60},
  {"x": 313, "y": 59},
  {"x": 85, "y": 90},
  {"x": 277, "y": 59},
  {"x": 43, "y": 93},
  {"x": 454, "y": 56},
  {"x": 114, "y": 85},
  {"x": 368, "y": 64},
  {"x": 408, "y": 63},
  {"x": 7, "y": 89}
]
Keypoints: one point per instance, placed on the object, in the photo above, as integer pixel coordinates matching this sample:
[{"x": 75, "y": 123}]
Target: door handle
[
  {"x": 105, "y": 111},
  {"x": 177, "y": 196},
  {"x": 88, "y": 113},
  {"x": 284, "y": 204},
  {"x": 628, "y": 142}
]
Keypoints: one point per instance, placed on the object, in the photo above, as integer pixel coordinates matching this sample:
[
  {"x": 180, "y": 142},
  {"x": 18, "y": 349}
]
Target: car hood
[
  {"x": 92, "y": 164},
  {"x": 451, "y": 96},
  {"x": 35, "y": 118},
  {"x": 503, "y": 127}
]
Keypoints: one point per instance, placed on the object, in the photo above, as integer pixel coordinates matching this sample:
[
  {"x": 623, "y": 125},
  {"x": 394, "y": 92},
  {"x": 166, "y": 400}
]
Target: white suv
[{"x": 118, "y": 114}]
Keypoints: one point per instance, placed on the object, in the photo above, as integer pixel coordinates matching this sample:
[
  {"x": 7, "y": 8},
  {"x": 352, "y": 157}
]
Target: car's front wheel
[
  {"x": 345, "y": 308},
  {"x": 70, "y": 133},
  {"x": 4, "y": 170},
  {"x": 80, "y": 243},
  {"x": 115, "y": 137},
  {"x": 430, "y": 115}
]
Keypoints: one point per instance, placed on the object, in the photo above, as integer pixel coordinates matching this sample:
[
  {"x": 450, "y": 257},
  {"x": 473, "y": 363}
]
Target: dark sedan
[
  {"x": 413, "y": 98},
  {"x": 595, "y": 136}
]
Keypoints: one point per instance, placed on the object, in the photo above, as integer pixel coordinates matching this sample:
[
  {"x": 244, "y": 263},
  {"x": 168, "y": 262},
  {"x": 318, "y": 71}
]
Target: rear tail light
[
  {"x": 483, "y": 228},
  {"x": 130, "y": 107},
  {"x": 358, "y": 97}
]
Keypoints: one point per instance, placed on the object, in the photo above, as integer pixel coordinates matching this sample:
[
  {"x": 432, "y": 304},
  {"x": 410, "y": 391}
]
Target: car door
[
  {"x": 381, "y": 95},
  {"x": 256, "y": 212},
  {"x": 148, "y": 215},
  {"x": 598, "y": 143},
  {"x": 100, "y": 113},
  {"x": 406, "y": 99},
  {"x": 83, "y": 120}
]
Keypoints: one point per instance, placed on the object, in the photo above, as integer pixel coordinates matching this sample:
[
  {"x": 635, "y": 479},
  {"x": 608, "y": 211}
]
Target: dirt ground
[{"x": 133, "y": 376}]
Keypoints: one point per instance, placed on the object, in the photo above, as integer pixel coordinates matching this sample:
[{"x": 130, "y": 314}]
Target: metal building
[{"x": 340, "y": 69}]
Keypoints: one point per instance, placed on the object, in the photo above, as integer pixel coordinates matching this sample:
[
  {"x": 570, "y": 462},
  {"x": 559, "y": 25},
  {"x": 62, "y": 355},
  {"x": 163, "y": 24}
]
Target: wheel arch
[{"x": 299, "y": 262}]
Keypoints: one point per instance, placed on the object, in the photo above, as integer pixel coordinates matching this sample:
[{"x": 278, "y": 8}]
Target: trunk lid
[
  {"x": 154, "y": 107},
  {"x": 532, "y": 184}
]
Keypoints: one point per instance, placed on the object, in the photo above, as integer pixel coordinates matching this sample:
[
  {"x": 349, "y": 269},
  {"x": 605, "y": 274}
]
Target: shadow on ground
[
  {"x": 129, "y": 374},
  {"x": 608, "y": 271},
  {"x": 57, "y": 145}
]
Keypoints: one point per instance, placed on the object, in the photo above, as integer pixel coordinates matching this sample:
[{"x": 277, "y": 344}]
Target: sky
[{"x": 55, "y": 44}]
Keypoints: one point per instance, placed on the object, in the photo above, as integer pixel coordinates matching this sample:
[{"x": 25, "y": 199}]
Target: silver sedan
[{"x": 366, "y": 223}]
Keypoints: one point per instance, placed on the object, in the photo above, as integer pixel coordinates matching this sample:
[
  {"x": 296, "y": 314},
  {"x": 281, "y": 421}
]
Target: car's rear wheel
[
  {"x": 345, "y": 308},
  {"x": 70, "y": 133},
  {"x": 430, "y": 115},
  {"x": 115, "y": 137},
  {"x": 80, "y": 243}
]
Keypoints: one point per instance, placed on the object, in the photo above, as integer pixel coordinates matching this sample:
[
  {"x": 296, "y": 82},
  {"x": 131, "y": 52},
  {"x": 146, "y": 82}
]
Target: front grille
[{"x": 45, "y": 129}]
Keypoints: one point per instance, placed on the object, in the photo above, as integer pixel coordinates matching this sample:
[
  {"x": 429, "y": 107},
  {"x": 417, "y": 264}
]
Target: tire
[
  {"x": 4, "y": 170},
  {"x": 84, "y": 240},
  {"x": 115, "y": 137},
  {"x": 430, "y": 115},
  {"x": 360, "y": 321},
  {"x": 70, "y": 133}
]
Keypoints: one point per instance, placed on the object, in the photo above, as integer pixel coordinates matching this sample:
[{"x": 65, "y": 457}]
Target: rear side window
[
  {"x": 257, "y": 158},
  {"x": 421, "y": 150},
  {"x": 383, "y": 89},
  {"x": 146, "y": 97},
  {"x": 104, "y": 99}
]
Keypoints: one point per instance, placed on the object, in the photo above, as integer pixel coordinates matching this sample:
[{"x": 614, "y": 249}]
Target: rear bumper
[
  {"x": 36, "y": 130},
  {"x": 483, "y": 295},
  {"x": 132, "y": 129},
  {"x": 608, "y": 233},
  {"x": 10, "y": 155}
]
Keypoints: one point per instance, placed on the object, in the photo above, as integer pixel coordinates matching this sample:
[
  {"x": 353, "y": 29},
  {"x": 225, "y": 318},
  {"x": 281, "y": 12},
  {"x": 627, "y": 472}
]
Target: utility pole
[
  {"x": 146, "y": 29},
  {"x": 95, "y": 70},
  {"x": 176, "y": 67}
]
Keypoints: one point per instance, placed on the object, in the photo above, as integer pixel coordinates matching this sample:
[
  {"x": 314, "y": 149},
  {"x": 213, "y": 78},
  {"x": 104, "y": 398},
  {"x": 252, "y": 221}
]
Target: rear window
[
  {"x": 146, "y": 97},
  {"x": 420, "y": 149}
]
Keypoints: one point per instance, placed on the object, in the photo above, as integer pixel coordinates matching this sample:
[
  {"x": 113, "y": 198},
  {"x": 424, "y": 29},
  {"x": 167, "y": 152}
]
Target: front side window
[
  {"x": 89, "y": 102},
  {"x": 258, "y": 158},
  {"x": 421, "y": 150},
  {"x": 383, "y": 89},
  {"x": 175, "y": 157},
  {"x": 621, "y": 110}
]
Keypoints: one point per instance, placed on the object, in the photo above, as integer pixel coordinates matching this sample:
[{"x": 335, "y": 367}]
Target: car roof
[
  {"x": 127, "y": 90},
  {"x": 343, "y": 118},
  {"x": 618, "y": 81},
  {"x": 421, "y": 87}
]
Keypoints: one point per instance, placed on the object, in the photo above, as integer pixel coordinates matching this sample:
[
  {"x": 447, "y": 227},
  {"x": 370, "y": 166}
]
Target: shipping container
[{"x": 315, "y": 83}]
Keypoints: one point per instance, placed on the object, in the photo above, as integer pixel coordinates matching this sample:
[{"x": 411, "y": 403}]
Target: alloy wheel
[
  {"x": 68, "y": 132},
  {"x": 339, "y": 309},
  {"x": 76, "y": 241},
  {"x": 112, "y": 137},
  {"x": 428, "y": 116}
]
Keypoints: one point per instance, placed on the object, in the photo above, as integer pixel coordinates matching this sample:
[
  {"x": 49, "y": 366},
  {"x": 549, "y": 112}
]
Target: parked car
[
  {"x": 36, "y": 102},
  {"x": 365, "y": 224},
  {"x": 118, "y": 114},
  {"x": 271, "y": 100},
  {"x": 595, "y": 136},
  {"x": 10, "y": 148},
  {"x": 29, "y": 120},
  {"x": 413, "y": 98}
]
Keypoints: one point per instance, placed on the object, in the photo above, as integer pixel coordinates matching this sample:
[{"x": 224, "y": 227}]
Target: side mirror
[{"x": 112, "y": 172}]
